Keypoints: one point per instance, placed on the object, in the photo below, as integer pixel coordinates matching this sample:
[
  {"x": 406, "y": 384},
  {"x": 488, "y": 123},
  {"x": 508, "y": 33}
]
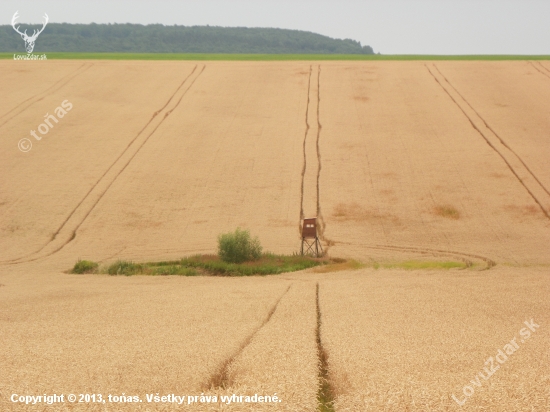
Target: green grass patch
[
  {"x": 270, "y": 57},
  {"x": 267, "y": 264},
  {"x": 85, "y": 266},
  {"x": 173, "y": 270},
  {"x": 421, "y": 264},
  {"x": 126, "y": 268},
  {"x": 122, "y": 267},
  {"x": 210, "y": 265}
]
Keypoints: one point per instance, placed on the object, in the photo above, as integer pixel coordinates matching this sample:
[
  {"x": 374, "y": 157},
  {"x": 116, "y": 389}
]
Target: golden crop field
[{"x": 432, "y": 176}]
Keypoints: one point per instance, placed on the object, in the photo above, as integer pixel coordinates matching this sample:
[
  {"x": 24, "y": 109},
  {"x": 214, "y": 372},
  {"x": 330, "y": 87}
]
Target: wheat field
[{"x": 407, "y": 165}]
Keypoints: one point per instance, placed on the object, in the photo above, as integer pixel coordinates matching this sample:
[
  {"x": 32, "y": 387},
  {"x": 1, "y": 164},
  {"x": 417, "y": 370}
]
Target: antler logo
[{"x": 29, "y": 40}]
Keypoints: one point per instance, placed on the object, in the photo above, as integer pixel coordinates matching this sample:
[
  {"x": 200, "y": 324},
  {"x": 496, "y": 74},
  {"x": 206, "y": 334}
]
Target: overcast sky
[{"x": 389, "y": 26}]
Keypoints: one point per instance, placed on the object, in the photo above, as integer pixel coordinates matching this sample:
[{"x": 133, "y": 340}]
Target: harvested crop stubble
[
  {"x": 140, "y": 335},
  {"x": 402, "y": 342}
]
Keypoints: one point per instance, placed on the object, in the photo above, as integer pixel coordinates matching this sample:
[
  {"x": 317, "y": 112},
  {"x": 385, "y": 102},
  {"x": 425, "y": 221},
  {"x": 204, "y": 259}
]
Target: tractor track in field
[
  {"x": 27, "y": 103},
  {"x": 322, "y": 223},
  {"x": 143, "y": 143},
  {"x": 464, "y": 257},
  {"x": 325, "y": 393},
  {"x": 304, "y": 150},
  {"x": 118, "y": 158},
  {"x": 506, "y": 160},
  {"x": 500, "y": 139},
  {"x": 467, "y": 258},
  {"x": 317, "y": 148},
  {"x": 544, "y": 67},
  {"x": 222, "y": 378},
  {"x": 539, "y": 70},
  {"x": 122, "y": 166}
]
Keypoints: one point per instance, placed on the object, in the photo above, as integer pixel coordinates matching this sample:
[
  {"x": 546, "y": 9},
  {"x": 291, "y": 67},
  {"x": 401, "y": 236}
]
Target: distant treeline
[{"x": 157, "y": 38}]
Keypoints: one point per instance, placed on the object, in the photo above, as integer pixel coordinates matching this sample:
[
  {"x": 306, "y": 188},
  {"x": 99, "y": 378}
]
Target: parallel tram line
[
  {"x": 487, "y": 140},
  {"x": 325, "y": 393},
  {"x": 141, "y": 146},
  {"x": 544, "y": 67},
  {"x": 121, "y": 154},
  {"x": 309, "y": 179},
  {"x": 222, "y": 378},
  {"x": 304, "y": 149},
  {"x": 95, "y": 187},
  {"x": 501, "y": 140},
  {"x": 467, "y": 258},
  {"x": 322, "y": 223},
  {"x": 539, "y": 70},
  {"x": 40, "y": 96}
]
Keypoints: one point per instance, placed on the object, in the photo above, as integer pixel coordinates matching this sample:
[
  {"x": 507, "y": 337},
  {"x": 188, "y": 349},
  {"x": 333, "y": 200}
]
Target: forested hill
[{"x": 157, "y": 38}]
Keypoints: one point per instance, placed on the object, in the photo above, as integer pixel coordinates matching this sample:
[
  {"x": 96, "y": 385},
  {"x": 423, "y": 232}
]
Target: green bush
[
  {"x": 238, "y": 247},
  {"x": 84, "y": 266}
]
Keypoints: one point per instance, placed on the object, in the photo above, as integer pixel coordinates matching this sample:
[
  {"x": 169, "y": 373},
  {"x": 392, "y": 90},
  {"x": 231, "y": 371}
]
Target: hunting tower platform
[{"x": 310, "y": 239}]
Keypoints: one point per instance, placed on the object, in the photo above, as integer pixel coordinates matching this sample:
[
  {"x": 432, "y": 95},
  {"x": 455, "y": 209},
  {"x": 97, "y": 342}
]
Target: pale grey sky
[{"x": 389, "y": 26}]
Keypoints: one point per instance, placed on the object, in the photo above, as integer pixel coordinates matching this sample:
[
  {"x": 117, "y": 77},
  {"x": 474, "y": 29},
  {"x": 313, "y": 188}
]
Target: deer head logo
[{"x": 29, "y": 40}]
